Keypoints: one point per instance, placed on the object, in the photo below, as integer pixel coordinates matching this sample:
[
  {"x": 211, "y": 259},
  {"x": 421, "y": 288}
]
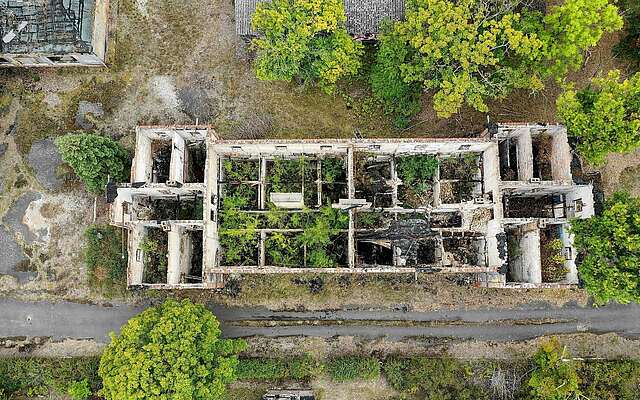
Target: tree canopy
[
  {"x": 610, "y": 243},
  {"x": 172, "y": 351},
  {"x": 306, "y": 39},
  {"x": 94, "y": 158},
  {"x": 470, "y": 51},
  {"x": 604, "y": 117}
]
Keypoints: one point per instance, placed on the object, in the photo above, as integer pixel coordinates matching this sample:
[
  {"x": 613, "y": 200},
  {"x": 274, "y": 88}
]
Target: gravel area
[
  {"x": 11, "y": 255},
  {"x": 13, "y": 217},
  {"x": 44, "y": 158}
]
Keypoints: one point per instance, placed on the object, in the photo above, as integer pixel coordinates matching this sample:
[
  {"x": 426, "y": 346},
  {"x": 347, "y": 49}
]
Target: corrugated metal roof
[{"x": 363, "y": 16}]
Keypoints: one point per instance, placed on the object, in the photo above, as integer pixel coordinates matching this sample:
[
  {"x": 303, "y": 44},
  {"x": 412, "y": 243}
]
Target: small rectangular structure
[
  {"x": 49, "y": 33},
  {"x": 200, "y": 208},
  {"x": 289, "y": 394}
]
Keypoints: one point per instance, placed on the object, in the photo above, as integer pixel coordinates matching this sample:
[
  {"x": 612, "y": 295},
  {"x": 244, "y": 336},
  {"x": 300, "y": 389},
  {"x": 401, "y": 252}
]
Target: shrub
[
  {"x": 418, "y": 169},
  {"x": 18, "y": 376},
  {"x": 274, "y": 369},
  {"x": 353, "y": 367},
  {"x": 79, "y": 390},
  {"x": 172, "y": 351},
  {"x": 610, "y": 243},
  {"x": 94, "y": 158},
  {"x": 604, "y": 117},
  {"x": 262, "y": 369},
  {"x": 432, "y": 378},
  {"x": 104, "y": 257},
  {"x": 554, "y": 378},
  {"x": 305, "y": 39},
  {"x": 610, "y": 380}
]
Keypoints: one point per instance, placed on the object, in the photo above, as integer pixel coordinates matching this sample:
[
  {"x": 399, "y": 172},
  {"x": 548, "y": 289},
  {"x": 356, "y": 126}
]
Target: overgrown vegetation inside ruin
[
  {"x": 154, "y": 249},
  {"x": 552, "y": 258},
  {"x": 417, "y": 173},
  {"x": 312, "y": 236},
  {"x": 105, "y": 257}
]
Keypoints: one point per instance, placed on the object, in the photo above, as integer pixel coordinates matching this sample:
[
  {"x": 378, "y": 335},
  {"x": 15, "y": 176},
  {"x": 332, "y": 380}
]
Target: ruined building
[
  {"x": 363, "y": 17},
  {"x": 44, "y": 33},
  {"x": 199, "y": 208}
]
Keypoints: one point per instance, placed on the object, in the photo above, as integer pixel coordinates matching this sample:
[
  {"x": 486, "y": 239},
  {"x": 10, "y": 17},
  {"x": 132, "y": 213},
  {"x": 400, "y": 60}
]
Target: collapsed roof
[{"x": 45, "y": 26}]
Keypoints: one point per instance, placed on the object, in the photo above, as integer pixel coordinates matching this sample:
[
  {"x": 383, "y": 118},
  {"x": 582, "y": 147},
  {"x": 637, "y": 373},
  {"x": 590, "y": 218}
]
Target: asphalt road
[{"x": 86, "y": 321}]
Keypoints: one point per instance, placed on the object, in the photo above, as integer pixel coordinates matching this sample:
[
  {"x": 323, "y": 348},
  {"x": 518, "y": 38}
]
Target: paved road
[{"x": 72, "y": 320}]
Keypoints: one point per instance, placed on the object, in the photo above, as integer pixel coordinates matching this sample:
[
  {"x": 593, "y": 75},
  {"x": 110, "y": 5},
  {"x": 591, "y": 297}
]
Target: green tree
[
  {"x": 305, "y": 39},
  {"x": 610, "y": 243},
  {"x": 172, "y": 351},
  {"x": 93, "y": 158},
  {"x": 573, "y": 27},
  {"x": 604, "y": 117},
  {"x": 555, "y": 378},
  {"x": 468, "y": 51},
  {"x": 629, "y": 46},
  {"x": 399, "y": 98},
  {"x": 465, "y": 51}
]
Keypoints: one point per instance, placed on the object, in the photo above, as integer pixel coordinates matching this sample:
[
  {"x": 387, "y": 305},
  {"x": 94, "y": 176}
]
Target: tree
[
  {"x": 573, "y": 27},
  {"x": 94, "y": 158},
  {"x": 460, "y": 50},
  {"x": 305, "y": 39},
  {"x": 554, "y": 378},
  {"x": 604, "y": 117},
  {"x": 470, "y": 51},
  {"x": 172, "y": 351},
  {"x": 387, "y": 82},
  {"x": 610, "y": 243},
  {"x": 629, "y": 46}
]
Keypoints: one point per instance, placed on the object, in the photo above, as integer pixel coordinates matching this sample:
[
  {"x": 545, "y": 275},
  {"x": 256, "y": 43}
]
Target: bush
[
  {"x": 18, "y": 376},
  {"x": 94, "y": 158},
  {"x": 555, "y": 377},
  {"x": 432, "y": 378},
  {"x": 262, "y": 369},
  {"x": 610, "y": 380},
  {"x": 172, "y": 351},
  {"x": 79, "y": 390},
  {"x": 274, "y": 369},
  {"x": 103, "y": 256},
  {"x": 353, "y": 367},
  {"x": 604, "y": 117},
  {"x": 417, "y": 169}
]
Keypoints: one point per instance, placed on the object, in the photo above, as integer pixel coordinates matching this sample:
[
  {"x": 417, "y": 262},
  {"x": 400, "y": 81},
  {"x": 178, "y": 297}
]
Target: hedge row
[
  {"x": 304, "y": 368},
  {"x": 277, "y": 369}
]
